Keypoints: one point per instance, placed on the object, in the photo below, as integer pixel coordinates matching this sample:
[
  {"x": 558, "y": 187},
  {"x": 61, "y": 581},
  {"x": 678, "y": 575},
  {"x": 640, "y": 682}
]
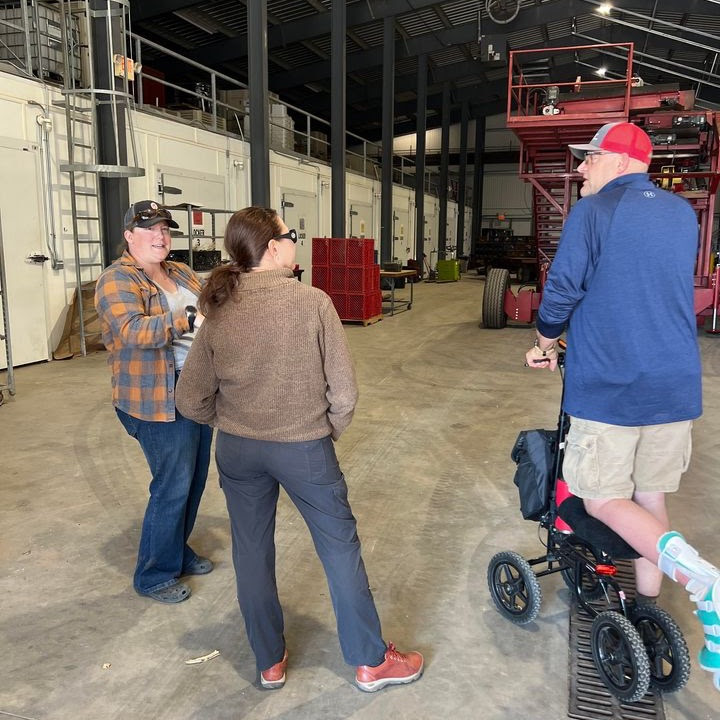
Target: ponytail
[{"x": 219, "y": 288}]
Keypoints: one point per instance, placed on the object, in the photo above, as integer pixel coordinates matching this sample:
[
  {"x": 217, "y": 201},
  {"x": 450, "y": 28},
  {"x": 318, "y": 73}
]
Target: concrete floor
[{"x": 427, "y": 462}]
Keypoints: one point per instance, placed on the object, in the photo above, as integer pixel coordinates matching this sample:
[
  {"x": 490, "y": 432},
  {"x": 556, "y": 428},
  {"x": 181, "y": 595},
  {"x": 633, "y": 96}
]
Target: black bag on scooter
[{"x": 533, "y": 453}]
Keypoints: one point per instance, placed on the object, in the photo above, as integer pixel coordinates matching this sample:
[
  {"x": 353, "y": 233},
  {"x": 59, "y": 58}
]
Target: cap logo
[
  {"x": 154, "y": 205},
  {"x": 649, "y": 194}
]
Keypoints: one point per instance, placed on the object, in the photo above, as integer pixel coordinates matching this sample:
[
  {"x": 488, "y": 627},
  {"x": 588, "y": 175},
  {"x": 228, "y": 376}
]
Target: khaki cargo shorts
[{"x": 610, "y": 461}]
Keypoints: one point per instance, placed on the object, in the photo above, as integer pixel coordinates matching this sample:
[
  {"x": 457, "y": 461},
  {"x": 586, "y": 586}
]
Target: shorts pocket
[
  {"x": 581, "y": 469},
  {"x": 687, "y": 452}
]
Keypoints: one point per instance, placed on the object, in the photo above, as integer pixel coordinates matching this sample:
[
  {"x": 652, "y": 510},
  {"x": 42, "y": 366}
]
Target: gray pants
[{"x": 251, "y": 472}]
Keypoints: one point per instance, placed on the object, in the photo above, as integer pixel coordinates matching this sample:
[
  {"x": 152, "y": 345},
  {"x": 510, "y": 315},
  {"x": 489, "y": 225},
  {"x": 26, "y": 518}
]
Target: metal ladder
[
  {"x": 81, "y": 103},
  {"x": 5, "y": 334}
]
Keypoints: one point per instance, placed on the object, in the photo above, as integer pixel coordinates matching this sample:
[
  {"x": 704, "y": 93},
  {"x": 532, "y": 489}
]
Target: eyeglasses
[
  {"x": 145, "y": 215},
  {"x": 594, "y": 154},
  {"x": 289, "y": 235}
]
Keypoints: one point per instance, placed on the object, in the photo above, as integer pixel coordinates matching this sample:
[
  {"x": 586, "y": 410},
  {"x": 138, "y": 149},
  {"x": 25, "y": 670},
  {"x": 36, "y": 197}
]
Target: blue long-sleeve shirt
[{"x": 622, "y": 284}]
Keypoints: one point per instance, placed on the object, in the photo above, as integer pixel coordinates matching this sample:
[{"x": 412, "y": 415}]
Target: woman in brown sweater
[{"x": 271, "y": 370}]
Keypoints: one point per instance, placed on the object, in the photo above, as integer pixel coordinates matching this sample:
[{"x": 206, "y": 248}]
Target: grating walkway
[{"x": 589, "y": 698}]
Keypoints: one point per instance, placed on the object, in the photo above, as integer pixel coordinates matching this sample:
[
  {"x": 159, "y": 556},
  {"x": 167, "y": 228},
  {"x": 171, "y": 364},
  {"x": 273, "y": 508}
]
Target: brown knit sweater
[{"x": 272, "y": 363}]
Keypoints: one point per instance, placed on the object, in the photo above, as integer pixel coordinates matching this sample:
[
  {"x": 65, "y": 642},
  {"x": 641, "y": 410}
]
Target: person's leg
[
  {"x": 648, "y": 576},
  {"x": 201, "y": 440},
  {"x": 251, "y": 495},
  {"x": 310, "y": 474},
  {"x": 664, "y": 453},
  {"x": 170, "y": 454},
  {"x": 633, "y": 523}
]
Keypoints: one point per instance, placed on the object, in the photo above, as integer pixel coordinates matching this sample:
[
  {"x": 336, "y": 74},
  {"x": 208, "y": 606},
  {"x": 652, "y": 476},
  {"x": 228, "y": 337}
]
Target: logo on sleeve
[{"x": 649, "y": 194}]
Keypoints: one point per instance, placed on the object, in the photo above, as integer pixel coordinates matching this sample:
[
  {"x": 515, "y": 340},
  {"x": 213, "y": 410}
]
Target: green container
[{"x": 448, "y": 270}]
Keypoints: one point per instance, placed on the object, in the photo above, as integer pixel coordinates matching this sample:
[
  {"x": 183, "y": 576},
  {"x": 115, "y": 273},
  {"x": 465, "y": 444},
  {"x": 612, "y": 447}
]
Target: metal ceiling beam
[
  {"x": 438, "y": 40},
  {"x": 314, "y": 26},
  {"x": 369, "y": 96},
  {"x": 141, "y": 10}
]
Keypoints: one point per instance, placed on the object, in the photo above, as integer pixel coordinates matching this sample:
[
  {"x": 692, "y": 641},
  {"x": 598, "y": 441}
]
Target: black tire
[
  {"x": 619, "y": 656},
  {"x": 514, "y": 588},
  {"x": 497, "y": 281},
  {"x": 665, "y": 646},
  {"x": 591, "y": 587}
]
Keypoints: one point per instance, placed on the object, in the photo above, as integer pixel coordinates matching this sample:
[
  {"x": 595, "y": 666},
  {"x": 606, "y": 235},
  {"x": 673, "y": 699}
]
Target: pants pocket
[{"x": 128, "y": 422}]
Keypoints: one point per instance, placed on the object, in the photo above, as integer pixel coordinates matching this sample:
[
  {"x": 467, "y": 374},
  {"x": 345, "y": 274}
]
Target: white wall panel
[
  {"x": 185, "y": 154},
  {"x": 504, "y": 192}
]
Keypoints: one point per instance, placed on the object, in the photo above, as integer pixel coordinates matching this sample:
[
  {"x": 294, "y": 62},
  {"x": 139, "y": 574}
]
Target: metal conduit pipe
[{"x": 44, "y": 122}]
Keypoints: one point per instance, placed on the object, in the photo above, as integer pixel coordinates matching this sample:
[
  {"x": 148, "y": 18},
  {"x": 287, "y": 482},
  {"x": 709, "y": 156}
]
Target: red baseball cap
[{"x": 618, "y": 137}]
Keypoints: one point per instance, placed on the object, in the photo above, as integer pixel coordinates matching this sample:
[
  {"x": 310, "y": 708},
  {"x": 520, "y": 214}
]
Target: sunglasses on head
[
  {"x": 145, "y": 215},
  {"x": 289, "y": 235}
]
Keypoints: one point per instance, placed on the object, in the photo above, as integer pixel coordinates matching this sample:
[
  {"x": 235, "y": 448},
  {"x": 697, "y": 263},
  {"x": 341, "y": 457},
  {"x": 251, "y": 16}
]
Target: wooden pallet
[{"x": 365, "y": 322}]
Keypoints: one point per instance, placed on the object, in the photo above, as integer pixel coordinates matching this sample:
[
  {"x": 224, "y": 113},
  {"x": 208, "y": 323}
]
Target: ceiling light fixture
[{"x": 605, "y": 8}]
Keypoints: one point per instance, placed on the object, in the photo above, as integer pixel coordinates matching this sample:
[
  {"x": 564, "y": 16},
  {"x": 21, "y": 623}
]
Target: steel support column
[
  {"x": 420, "y": 161},
  {"x": 114, "y": 197},
  {"x": 259, "y": 117},
  {"x": 388, "y": 119},
  {"x": 477, "y": 191},
  {"x": 462, "y": 172},
  {"x": 337, "y": 116},
  {"x": 444, "y": 166}
]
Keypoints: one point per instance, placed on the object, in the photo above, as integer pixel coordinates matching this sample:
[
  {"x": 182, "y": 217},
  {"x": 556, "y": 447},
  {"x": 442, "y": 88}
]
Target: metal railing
[{"x": 294, "y": 131}]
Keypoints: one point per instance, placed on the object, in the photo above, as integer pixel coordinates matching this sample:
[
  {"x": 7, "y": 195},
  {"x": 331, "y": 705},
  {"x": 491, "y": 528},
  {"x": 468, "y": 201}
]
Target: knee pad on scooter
[{"x": 676, "y": 556}]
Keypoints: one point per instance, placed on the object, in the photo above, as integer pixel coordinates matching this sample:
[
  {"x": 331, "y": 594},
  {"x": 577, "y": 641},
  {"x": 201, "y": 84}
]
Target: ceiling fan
[{"x": 502, "y": 11}]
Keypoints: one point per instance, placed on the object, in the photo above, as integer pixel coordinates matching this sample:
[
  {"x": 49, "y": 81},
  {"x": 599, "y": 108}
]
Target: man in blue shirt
[{"x": 622, "y": 285}]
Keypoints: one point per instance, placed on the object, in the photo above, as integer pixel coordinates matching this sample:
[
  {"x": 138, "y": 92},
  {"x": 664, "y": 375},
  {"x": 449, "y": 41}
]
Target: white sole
[{"x": 380, "y": 684}]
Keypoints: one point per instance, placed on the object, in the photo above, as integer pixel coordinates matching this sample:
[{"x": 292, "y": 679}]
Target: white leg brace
[{"x": 677, "y": 556}]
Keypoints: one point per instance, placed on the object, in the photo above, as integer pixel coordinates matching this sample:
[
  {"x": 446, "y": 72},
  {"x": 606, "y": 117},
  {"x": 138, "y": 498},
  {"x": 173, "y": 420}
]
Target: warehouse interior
[{"x": 104, "y": 102}]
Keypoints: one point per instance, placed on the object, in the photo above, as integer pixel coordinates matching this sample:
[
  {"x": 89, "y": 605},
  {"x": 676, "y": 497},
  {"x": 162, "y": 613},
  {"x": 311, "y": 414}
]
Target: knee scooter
[{"x": 634, "y": 646}]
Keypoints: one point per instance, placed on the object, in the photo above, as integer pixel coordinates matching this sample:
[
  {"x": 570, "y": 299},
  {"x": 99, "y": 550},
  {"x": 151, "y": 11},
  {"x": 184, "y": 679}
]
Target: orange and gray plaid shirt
[{"x": 138, "y": 328}]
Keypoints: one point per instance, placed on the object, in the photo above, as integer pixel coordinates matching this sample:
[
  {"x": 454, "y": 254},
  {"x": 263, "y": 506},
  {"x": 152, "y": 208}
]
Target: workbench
[{"x": 391, "y": 276}]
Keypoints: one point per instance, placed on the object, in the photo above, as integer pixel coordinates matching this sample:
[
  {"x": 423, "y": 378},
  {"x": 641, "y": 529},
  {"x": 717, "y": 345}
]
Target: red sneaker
[
  {"x": 274, "y": 677},
  {"x": 398, "y": 668}
]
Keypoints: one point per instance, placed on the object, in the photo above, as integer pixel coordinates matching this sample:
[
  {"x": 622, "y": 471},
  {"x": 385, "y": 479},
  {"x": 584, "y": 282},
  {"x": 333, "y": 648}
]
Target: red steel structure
[{"x": 547, "y": 117}]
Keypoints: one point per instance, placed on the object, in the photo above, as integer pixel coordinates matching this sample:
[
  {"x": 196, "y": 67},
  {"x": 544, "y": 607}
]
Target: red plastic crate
[
  {"x": 338, "y": 251},
  {"x": 359, "y": 306},
  {"x": 320, "y": 251},
  {"x": 360, "y": 251},
  {"x": 339, "y": 300},
  {"x": 362, "y": 279},
  {"x": 337, "y": 279},
  {"x": 320, "y": 277}
]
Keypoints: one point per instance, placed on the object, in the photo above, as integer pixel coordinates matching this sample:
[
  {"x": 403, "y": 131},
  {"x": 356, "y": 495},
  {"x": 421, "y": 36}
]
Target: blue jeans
[
  {"x": 178, "y": 454},
  {"x": 251, "y": 472}
]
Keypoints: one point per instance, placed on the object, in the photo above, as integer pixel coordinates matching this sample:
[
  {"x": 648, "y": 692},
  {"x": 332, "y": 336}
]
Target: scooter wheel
[
  {"x": 514, "y": 588},
  {"x": 619, "y": 656},
  {"x": 665, "y": 646}
]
